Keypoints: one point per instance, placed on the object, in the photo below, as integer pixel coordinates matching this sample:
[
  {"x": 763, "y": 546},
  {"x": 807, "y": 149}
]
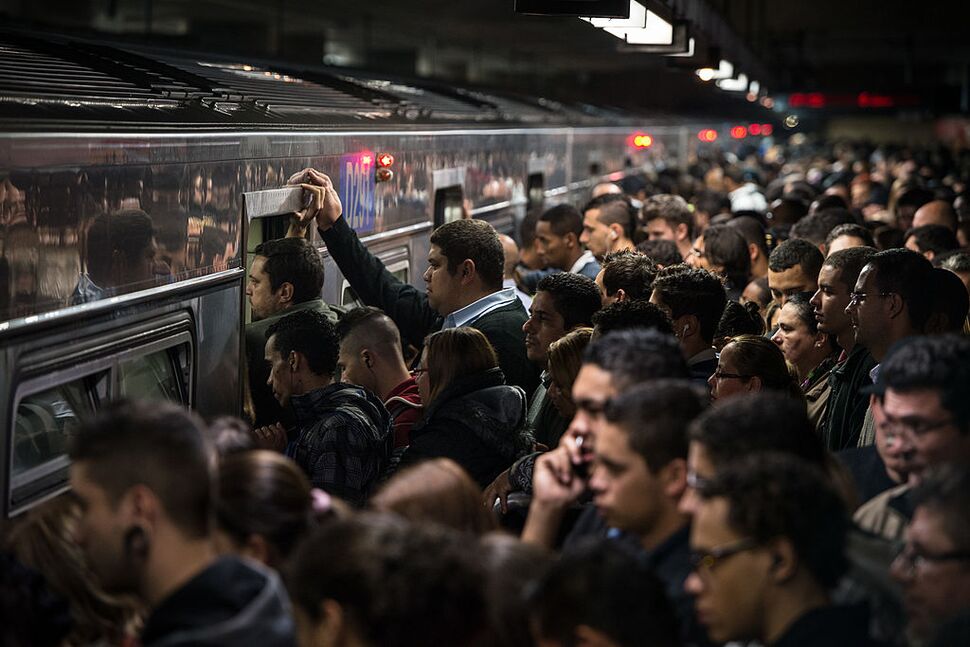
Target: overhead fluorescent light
[
  {"x": 637, "y": 19},
  {"x": 690, "y": 50},
  {"x": 679, "y": 42},
  {"x": 724, "y": 71},
  {"x": 656, "y": 31},
  {"x": 739, "y": 84}
]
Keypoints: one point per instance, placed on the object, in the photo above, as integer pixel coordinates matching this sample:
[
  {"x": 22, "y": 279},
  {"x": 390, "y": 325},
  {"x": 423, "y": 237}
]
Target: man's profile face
[
  {"x": 830, "y": 300},
  {"x": 592, "y": 391},
  {"x": 280, "y": 378},
  {"x": 934, "y": 590},
  {"x": 660, "y": 229},
  {"x": 928, "y": 427},
  {"x": 596, "y": 235},
  {"x": 443, "y": 289},
  {"x": 263, "y": 300},
  {"x": 544, "y": 326},
  {"x": 553, "y": 249},
  {"x": 100, "y": 533}
]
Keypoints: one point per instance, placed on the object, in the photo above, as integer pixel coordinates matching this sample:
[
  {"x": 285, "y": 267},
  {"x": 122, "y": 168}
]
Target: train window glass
[
  {"x": 595, "y": 168},
  {"x": 401, "y": 270},
  {"x": 448, "y": 205},
  {"x": 536, "y": 192},
  {"x": 47, "y": 420},
  {"x": 154, "y": 376}
]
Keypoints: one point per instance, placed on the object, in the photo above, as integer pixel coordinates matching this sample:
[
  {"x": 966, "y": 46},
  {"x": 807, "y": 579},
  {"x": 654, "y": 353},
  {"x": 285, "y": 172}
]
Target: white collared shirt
[{"x": 474, "y": 311}]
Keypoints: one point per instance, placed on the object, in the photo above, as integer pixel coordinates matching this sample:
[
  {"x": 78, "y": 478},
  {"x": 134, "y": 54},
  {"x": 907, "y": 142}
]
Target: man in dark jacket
[
  {"x": 142, "y": 473},
  {"x": 371, "y": 357},
  {"x": 286, "y": 276},
  {"x": 464, "y": 281},
  {"x": 343, "y": 436}
]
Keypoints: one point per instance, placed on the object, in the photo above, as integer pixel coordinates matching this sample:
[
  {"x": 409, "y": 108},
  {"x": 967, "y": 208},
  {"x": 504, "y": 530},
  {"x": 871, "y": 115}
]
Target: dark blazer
[{"x": 409, "y": 308}]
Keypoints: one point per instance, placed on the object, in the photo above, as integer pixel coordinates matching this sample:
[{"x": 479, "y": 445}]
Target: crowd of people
[{"x": 727, "y": 405}]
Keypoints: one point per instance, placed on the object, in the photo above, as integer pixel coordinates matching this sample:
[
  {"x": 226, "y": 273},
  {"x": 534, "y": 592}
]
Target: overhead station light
[
  {"x": 725, "y": 70},
  {"x": 739, "y": 84},
  {"x": 642, "y": 27}
]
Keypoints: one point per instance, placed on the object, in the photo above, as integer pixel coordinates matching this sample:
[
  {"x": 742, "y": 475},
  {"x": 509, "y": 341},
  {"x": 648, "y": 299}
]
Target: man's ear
[
  {"x": 286, "y": 292},
  {"x": 673, "y": 476},
  {"x": 621, "y": 295},
  {"x": 333, "y": 628},
  {"x": 754, "y": 384},
  {"x": 367, "y": 358},
  {"x": 140, "y": 505},
  {"x": 753, "y": 251},
  {"x": 467, "y": 271},
  {"x": 784, "y": 561},
  {"x": 571, "y": 240},
  {"x": 680, "y": 232},
  {"x": 616, "y": 231},
  {"x": 295, "y": 360}
]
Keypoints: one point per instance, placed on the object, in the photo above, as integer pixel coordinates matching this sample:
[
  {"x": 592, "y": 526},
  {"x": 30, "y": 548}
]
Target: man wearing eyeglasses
[
  {"x": 921, "y": 405},
  {"x": 767, "y": 546},
  {"x": 892, "y": 300},
  {"x": 934, "y": 565}
]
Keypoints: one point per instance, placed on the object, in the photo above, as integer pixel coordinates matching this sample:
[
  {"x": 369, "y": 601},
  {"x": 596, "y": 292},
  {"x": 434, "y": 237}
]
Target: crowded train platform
[{"x": 497, "y": 373}]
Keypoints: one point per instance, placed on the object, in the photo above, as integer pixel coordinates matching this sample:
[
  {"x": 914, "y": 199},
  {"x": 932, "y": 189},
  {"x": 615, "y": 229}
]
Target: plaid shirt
[{"x": 344, "y": 440}]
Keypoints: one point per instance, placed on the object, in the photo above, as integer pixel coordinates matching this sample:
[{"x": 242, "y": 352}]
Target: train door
[{"x": 449, "y": 197}]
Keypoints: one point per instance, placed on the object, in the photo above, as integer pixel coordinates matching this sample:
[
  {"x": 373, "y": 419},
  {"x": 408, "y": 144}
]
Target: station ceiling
[{"x": 832, "y": 47}]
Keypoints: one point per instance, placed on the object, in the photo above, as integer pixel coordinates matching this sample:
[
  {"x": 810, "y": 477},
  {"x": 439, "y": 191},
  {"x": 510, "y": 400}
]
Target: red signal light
[
  {"x": 385, "y": 159},
  {"x": 641, "y": 140},
  {"x": 739, "y": 132},
  {"x": 366, "y": 159},
  {"x": 707, "y": 135},
  {"x": 767, "y": 129},
  {"x": 754, "y": 129}
]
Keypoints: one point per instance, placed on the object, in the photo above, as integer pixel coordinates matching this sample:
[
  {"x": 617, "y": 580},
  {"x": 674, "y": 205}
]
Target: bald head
[
  {"x": 604, "y": 188},
  {"x": 937, "y": 212},
  {"x": 511, "y": 251}
]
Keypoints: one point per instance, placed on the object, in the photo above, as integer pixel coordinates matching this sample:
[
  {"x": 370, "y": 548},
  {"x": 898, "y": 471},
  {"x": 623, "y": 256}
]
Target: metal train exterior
[{"x": 201, "y": 146}]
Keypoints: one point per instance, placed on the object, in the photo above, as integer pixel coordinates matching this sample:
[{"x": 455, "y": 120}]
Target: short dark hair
[
  {"x": 474, "y": 240},
  {"x": 688, "y": 291},
  {"x": 575, "y": 297},
  {"x": 661, "y": 251},
  {"x": 632, "y": 313},
  {"x": 129, "y": 232},
  {"x": 796, "y": 251},
  {"x": 816, "y": 227},
  {"x": 373, "y": 327},
  {"x": 934, "y": 238},
  {"x": 377, "y": 567},
  {"x": 829, "y": 201},
  {"x": 158, "y": 444},
  {"x": 726, "y": 247},
  {"x": 740, "y": 319},
  {"x": 637, "y": 355},
  {"x": 294, "y": 261},
  {"x": 805, "y": 310},
  {"x": 906, "y": 273},
  {"x": 655, "y": 417},
  {"x": 615, "y": 209},
  {"x": 853, "y": 230},
  {"x": 752, "y": 230},
  {"x": 630, "y": 271},
  {"x": 788, "y": 209},
  {"x": 309, "y": 333},
  {"x": 563, "y": 219},
  {"x": 673, "y": 209},
  {"x": 938, "y": 362},
  {"x": 760, "y": 422},
  {"x": 850, "y": 262},
  {"x": 772, "y": 496},
  {"x": 604, "y": 587},
  {"x": 945, "y": 489}
]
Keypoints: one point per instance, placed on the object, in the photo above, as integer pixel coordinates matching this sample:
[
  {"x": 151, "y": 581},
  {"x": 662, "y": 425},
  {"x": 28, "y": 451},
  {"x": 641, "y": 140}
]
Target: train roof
[{"x": 46, "y": 80}]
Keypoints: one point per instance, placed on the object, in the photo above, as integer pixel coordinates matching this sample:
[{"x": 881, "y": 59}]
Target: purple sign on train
[{"x": 357, "y": 190}]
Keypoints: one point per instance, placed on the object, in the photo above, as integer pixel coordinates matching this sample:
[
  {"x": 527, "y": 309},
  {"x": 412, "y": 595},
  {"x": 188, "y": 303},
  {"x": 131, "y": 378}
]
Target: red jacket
[{"x": 404, "y": 405}]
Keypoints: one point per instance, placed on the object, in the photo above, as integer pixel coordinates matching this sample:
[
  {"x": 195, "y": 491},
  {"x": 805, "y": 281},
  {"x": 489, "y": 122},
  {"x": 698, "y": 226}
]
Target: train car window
[
  {"x": 401, "y": 270},
  {"x": 46, "y": 418},
  {"x": 595, "y": 169},
  {"x": 535, "y": 192},
  {"x": 448, "y": 205},
  {"x": 155, "y": 376}
]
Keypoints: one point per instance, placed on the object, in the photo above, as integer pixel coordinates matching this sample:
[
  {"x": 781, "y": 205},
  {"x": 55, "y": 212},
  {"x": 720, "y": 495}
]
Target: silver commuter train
[{"x": 99, "y": 138}]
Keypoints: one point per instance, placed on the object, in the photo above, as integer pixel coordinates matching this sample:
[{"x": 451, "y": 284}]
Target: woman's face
[
  {"x": 727, "y": 379},
  {"x": 424, "y": 382},
  {"x": 793, "y": 337},
  {"x": 561, "y": 400}
]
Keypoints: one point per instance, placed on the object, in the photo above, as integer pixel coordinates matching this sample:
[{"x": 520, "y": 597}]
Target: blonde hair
[
  {"x": 439, "y": 491},
  {"x": 454, "y": 352},
  {"x": 566, "y": 358},
  {"x": 760, "y": 357},
  {"x": 44, "y": 541}
]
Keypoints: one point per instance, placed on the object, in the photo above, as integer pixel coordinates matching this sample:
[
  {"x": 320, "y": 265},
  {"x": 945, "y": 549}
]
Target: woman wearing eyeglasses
[
  {"x": 811, "y": 352},
  {"x": 470, "y": 415},
  {"x": 749, "y": 364}
]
